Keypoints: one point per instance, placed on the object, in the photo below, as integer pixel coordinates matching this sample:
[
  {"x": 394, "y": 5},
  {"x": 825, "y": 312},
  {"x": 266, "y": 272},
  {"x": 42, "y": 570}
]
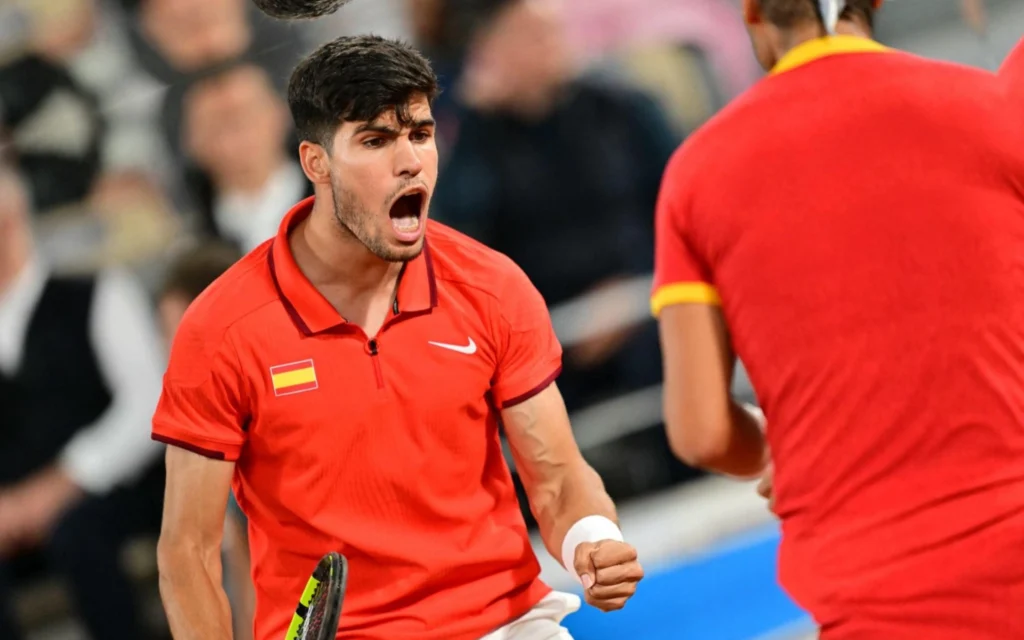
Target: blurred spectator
[
  {"x": 188, "y": 277},
  {"x": 236, "y": 131},
  {"x": 190, "y": 35},
  {"x": 80, "y": 373},
  {"x": 178, "y": 40},
  {"x": 712, "y": 28},
  {"x": 559, "y": 171},
  {"x": 441, "y": 29},
  {"x": 428, "y": 22},
  {"x": 138, "y": 220},
  {"x": 53, "y": 127},
  {"x": 89, "y": 39},
  {"x": 55, "y": 30}
]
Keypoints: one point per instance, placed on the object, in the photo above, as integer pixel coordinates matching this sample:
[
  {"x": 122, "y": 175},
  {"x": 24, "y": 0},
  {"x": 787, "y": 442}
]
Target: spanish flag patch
[{"x": 294, "y": 377}]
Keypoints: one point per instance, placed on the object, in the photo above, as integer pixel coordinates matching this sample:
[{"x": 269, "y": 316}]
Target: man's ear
[
  {"x": 315, "y": 161},
  {"x": 752, "y": 13}
]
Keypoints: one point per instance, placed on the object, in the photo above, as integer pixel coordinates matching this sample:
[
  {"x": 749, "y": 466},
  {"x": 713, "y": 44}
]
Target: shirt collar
[
  {"x": 823, "y": 47},
  {"x": 417, "y": 287}
]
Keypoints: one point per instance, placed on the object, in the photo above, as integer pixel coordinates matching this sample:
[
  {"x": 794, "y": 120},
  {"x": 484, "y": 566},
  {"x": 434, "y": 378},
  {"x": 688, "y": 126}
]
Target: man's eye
[
  {"x": 420, "y": 136},
  {"x": 373, "y": 143}
]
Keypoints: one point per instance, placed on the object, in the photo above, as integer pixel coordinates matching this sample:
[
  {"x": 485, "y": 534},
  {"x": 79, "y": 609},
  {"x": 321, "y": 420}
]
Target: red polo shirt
[
  {"x": 859, "y": 217},
  {"x": 385, "y": 448}
]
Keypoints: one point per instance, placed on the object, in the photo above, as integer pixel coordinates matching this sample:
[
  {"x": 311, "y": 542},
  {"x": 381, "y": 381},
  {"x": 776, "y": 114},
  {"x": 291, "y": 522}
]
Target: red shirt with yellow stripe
[{"x": 859, "y": 217}]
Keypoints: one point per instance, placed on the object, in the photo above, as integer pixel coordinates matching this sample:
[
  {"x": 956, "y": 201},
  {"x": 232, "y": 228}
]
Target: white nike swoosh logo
[{"x": 469, "y": 349}]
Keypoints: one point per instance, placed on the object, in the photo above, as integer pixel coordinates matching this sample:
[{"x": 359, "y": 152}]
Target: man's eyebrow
[
  {"x": 384, "y": 129},
  {"x": 376, "y": 128}
]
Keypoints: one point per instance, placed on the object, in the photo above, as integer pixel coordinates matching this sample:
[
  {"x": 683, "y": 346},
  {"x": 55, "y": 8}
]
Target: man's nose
[{"x": 407, "y": 159}]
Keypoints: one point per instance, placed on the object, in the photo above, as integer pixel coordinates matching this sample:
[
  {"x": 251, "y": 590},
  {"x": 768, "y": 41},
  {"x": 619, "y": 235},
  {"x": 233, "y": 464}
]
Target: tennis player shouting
[{"x": 349, "y": 377}]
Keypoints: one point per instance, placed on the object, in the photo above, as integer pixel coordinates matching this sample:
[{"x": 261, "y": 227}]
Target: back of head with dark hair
[
  {"x": 196, "y": 270},
  {"x": 356, "y": 79},
  {"x": 860, "y": 9},
  {"x": 786, "y": 14}
]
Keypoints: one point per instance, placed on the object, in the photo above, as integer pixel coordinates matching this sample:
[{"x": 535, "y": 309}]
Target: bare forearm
[
  {"x": 191, "y": 589},
  {"x": 561, "y": 486},
  {"x": 559, "y": 504},
  {"x": 729, "y": 441}
]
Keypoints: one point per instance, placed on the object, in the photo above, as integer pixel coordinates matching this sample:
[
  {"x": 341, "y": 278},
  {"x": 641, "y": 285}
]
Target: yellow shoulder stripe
[
  {"x": 683, "y": 293},
  {"x": 823, "y": 47}
]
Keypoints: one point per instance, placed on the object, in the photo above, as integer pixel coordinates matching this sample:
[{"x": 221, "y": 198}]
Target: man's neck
[
  {"x": 790, "y": 39},
  {"x": 853, "y": 27},
  {"x": 354, "y": 280},
  {"x": 784, "y": 42}
]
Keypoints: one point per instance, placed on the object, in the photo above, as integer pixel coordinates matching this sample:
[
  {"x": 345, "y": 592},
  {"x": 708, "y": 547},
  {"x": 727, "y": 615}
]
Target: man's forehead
[
  {"x": 414, "y": 113},
  {"x": 416, "y": 110}
]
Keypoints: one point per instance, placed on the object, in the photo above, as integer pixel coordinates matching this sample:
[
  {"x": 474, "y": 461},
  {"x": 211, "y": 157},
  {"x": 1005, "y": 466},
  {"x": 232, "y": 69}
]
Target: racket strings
[
  {"x": 316, "y": 617},
  {"x": 317, "y": 609}
]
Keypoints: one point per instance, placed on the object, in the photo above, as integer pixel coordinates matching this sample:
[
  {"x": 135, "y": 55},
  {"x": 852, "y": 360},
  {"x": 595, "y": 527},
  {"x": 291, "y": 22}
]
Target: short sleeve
[
  {"x": 529, "y": 355},
  {"x": 680, "y": 276},
  {"x": 202, "y": 406}
]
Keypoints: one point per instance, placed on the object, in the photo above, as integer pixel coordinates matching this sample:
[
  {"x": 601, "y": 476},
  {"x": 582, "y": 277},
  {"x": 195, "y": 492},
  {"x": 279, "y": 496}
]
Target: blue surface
[{"x": 729, "y": 593}]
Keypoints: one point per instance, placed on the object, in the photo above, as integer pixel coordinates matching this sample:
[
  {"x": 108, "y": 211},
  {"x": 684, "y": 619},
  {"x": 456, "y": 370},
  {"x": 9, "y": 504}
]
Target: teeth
[{"x": 407, "y": 223}]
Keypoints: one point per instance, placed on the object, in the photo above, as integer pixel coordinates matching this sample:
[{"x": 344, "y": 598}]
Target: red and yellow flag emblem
[{"x": 294, "y": 377}]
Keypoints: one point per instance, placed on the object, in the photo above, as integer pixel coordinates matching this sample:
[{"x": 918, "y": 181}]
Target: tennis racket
[{"x": 316, "y": 617}]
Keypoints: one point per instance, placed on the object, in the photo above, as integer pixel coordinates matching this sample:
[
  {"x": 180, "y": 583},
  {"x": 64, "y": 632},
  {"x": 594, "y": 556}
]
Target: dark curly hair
[
  {"x": 863, "y": 9},
  {"x": 356, "y": 79},
  {"x": 299, "y": 9}
]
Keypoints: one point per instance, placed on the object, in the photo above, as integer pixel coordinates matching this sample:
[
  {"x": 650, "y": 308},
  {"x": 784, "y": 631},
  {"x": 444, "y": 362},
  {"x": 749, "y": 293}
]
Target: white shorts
[{"x": 542, "y": 622}]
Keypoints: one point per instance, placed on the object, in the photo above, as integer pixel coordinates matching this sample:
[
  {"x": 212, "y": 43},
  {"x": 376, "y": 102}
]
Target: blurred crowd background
[{"x": 145, "y": 145}]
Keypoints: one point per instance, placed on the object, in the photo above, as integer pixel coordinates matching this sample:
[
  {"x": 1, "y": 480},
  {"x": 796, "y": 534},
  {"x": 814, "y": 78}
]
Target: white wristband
[{"x": 588, "y": 529}]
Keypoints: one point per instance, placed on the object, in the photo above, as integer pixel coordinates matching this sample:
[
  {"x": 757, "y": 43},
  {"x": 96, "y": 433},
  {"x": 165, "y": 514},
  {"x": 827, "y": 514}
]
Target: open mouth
[{"x": 407, "y": 215}]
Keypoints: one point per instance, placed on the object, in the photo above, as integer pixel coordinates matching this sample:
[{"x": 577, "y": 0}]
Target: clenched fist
[{"x": 609, "y": 571}]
